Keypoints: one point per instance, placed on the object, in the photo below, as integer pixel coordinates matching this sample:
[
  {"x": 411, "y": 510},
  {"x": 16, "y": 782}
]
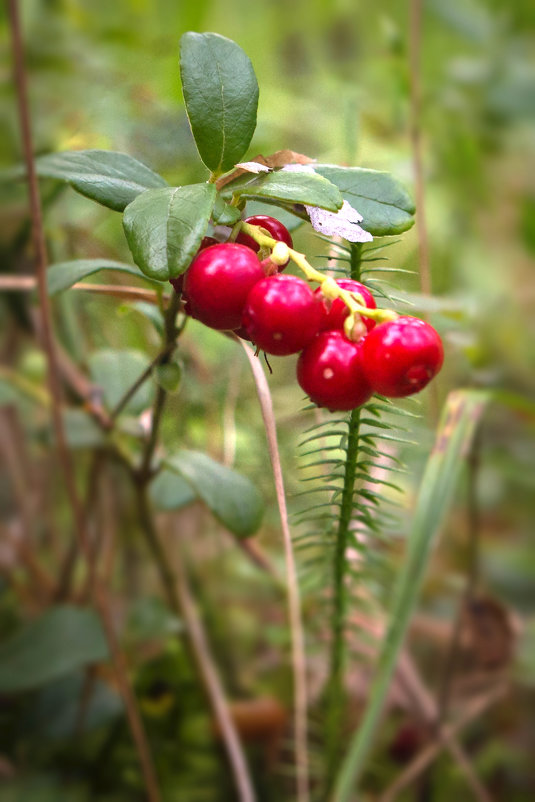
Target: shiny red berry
[
  {"x": 281, "y": 315},
  {"x": 401, "y": 356},
  {"x": 277, "y": 230},
  {"x": 329, "y": 370},
  {"x": 335, "y": 311},
  {"x": 217, "y": 283},
  {"x": 178, "y": 283}
]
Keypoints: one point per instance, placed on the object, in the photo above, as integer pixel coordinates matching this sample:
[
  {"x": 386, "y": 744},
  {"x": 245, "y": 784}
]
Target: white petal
[
  {"x": 343, "y": 223},
  {"x": 298, "y": 168},
  {"x": 254, "y": 167}
]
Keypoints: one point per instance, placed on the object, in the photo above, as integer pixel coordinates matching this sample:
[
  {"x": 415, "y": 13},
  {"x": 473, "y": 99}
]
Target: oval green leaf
[
  {"x": 168, "y": 491},
  {"x": 383, "y": 202},
  {"x": 61, "y": 640},
  {"x": 110, "y": 178},
  {"x": 116, "y": 371},
  {"x": 63, "y": 275},
  {"x": 54, "y": 712},
  {"x": 310, "y": 189},
  {"x": 221, "y": 97},
  {"x": 231, "y": 497},
  {"x": 164, "y": 228}
]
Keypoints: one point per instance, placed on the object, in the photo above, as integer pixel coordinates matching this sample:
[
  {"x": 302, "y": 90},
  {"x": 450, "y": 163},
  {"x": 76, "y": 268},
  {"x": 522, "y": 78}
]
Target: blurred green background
[{"x": 335, "y": 85}]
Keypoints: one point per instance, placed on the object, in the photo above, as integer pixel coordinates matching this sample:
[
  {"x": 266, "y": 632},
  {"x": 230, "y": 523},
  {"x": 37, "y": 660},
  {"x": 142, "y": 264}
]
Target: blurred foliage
[{"x": 334, "y": 84}]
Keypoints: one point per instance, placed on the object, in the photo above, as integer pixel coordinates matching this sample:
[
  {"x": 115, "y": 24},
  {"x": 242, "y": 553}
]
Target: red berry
[
  {"x": 217, "y": 283},
  {"x": 335, "y": 312},
  {"x": 277, "y": 230},
  {"x": 330, "y": 371},
  {"x": 178, "y": 283},
  {"x": 282, "y": 314},
  {"x": 401, "y": 356}
]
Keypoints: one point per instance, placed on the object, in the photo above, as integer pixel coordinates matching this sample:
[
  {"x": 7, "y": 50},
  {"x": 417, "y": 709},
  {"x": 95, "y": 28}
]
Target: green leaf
[
  {"x": 62, "y": 275},
  {"x": 460, "y": 416},
  {"x": 168, "y": 491},
  {"x": 164, "y": 228},
  {"x": 149, "y": 311},
  {"x": 382, "y": 201},
  {"x": 310, "y": 189},
  {"x": 55, "y": 710},
  {"x": 110, "y": 178},
  {"x": 289, "y": 220},
  {"x": 221, "y": 97},
  {"x": 168, "y": 376},
  {"x": 81, "y": 430},
  {"x": 63, "y": 639},
  {"x": 224, "y": 214},
  {"x": 232, "y": 498},
  {"x": 115, "y": 371}
]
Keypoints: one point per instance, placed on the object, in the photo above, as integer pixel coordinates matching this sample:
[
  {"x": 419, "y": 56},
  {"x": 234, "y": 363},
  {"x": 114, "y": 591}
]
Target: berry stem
[{"x": 334, "y": 291}]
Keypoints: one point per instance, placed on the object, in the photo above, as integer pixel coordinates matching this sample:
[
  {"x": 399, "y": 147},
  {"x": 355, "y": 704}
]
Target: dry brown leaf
[{"x": 275, "y": 160}]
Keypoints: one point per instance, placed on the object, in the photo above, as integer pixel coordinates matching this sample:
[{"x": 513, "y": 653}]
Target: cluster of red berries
[{"x": 226, "y": 287}]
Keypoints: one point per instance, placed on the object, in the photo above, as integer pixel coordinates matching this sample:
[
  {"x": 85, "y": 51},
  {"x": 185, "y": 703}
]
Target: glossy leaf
[
  {"x": 63, "y": 275},
  {"x": 460, "y": 416},
  {"x": 310, "y": 189},
  {"x": 221, "y": 97},
  {"x": 110, "y": 178},
  {"x": 232, "y": 498},
  {"x": 289, "y": 220},
  {"x": 164, "y": 228},
  {"x": 168, "y": 491},
  {"x": 386, "y": 207},
  {"x": 115, "y": 371},
  {"x": 61, "y": 640},
  {"x": 224, "y": 214}
]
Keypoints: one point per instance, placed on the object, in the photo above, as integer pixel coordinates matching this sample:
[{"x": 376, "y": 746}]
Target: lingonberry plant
[{"x": 208, "y": 260}]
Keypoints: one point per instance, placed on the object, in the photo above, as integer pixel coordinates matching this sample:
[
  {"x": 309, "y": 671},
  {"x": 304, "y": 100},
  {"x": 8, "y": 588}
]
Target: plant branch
[
  {"x": 336, "y": 677},
  {"x": 159, "y": 359},
  {"x": 100, "y": 598},
  {"x": 294, "y": 606},
  {"x": 170, "y": 335},
  {"x": 338, "y": 646},
  {"x": 179, "y": 599},
  {"x": 415, "y": 41},
  {"x": 29, "y": 283}
]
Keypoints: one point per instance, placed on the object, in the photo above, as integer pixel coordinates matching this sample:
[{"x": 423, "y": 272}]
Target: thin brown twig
[
  {"x": 170, "y": 336},
  {"x": 100, "y": 598},
  {"x": 29, "y": 283},
  {"x": 427, "y": 707},
  {"x": 471, "y": 579},
  {"x": 415, "y": 40},
  {"x": 180, "y": 601},
  {"x": 294, "y": 605},
  {"x": 472, "y": 710},
  {"x": 14, "y": 460},
  {"x": 159, "y": 359}
]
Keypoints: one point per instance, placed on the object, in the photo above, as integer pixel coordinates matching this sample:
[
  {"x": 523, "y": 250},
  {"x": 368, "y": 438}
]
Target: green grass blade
[{"x": 460, "y": 416}]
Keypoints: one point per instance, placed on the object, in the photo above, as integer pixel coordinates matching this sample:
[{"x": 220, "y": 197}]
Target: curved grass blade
[{"x": 460, "y": 417}]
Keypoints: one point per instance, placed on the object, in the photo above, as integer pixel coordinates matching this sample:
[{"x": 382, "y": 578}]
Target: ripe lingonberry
[
  {"x": 330, "y": 371},
  {"x": 281, "y": 315},
  {"x": 336, "y": 311},
  {"x": 277, "y": 230},
  {"x": 401, "y": 356},
  {"x": 217, "y": 283},
  {"x": 178, "y": 283}
]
